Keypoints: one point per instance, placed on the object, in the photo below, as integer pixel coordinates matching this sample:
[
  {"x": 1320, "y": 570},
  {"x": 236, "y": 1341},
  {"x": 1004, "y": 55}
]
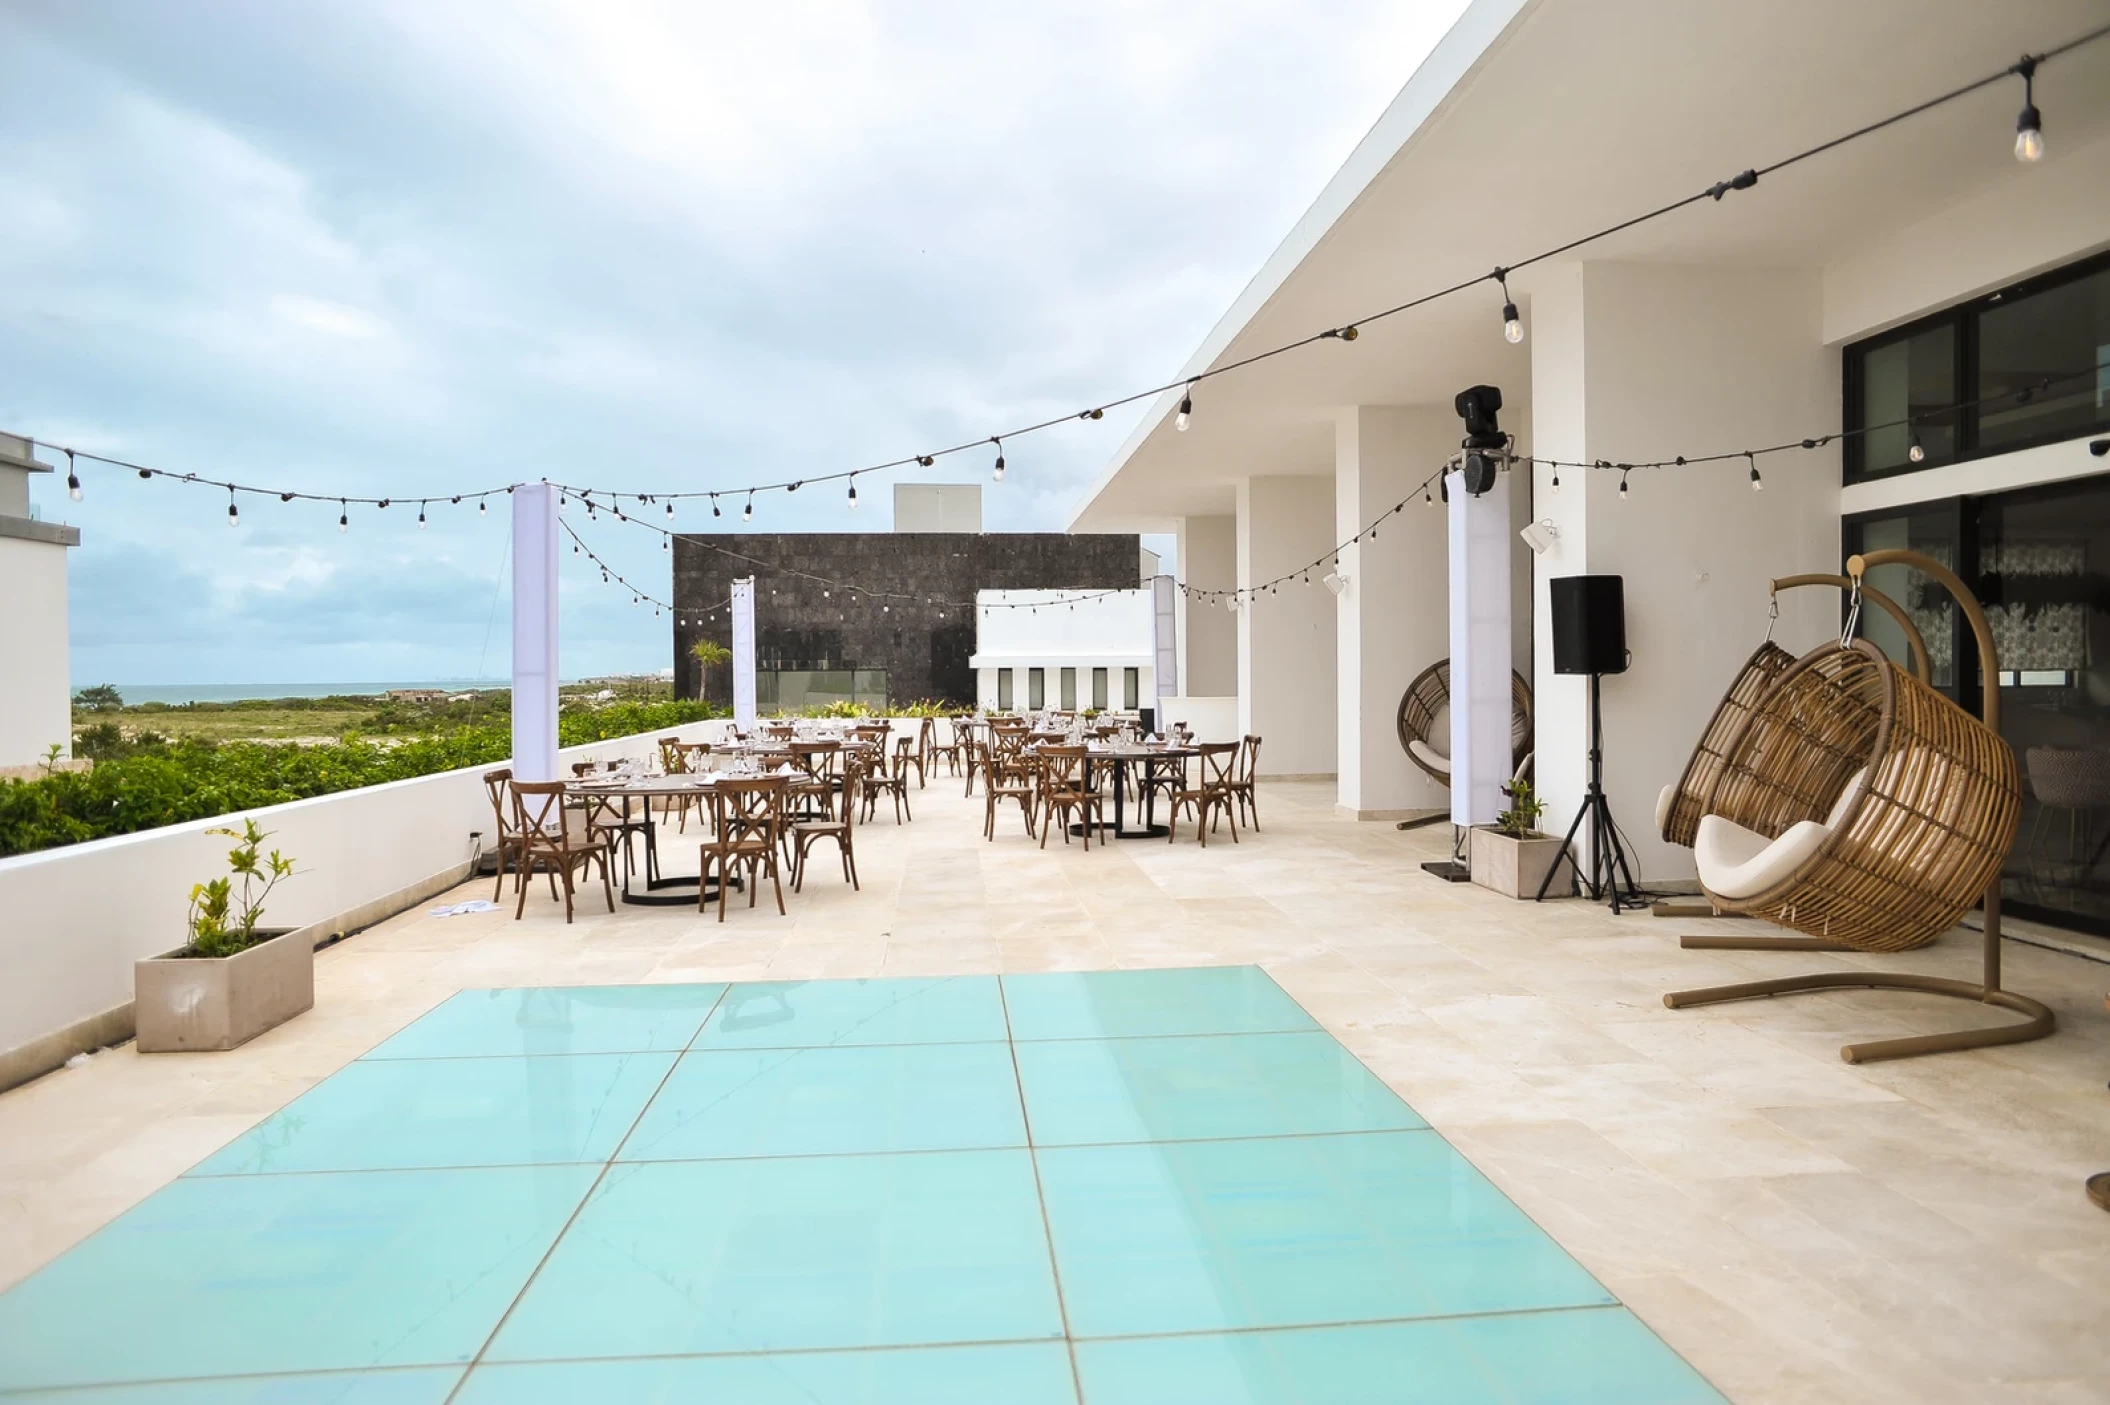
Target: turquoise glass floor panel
[
  {"x": 810, "y": 1014},
  {"x": 598, "y": 1019},
  {"x": 772, "y": 1255},
  {"x": 1182, "y": 1088},
  {"x": 237, "y": 1275},
  {"x": 1036, "y": 1373},
  {"x": 389, "y": 1114},
  {"x": 1107, "y": 1188},
  {"x": 1124, "y": 1004},
  {"x": 809, "y": 1102}
]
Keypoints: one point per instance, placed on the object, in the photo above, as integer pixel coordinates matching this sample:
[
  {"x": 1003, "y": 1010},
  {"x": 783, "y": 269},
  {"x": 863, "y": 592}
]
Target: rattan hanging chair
[
  {"x": 1429, "y": 696},
  {"x": 1857, "y": 805},
  {"x": 1679, "y": 807}
]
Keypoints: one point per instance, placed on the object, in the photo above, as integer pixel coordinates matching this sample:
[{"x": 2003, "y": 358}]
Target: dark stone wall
[{"x": 923, "y": 646}]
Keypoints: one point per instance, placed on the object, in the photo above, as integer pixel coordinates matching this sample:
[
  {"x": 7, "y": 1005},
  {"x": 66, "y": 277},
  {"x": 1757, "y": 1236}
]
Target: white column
[
  {"x": 535, "y": 632},
  {"x": 1389, "y": 618},
  {"x": 1632, "y": 362},
  {"x": 743, "y": 649},
  {"x": 1480, "y": 633},
  {"x": 1286, "y": 645},
  {"x": 1208, "y": 560}
]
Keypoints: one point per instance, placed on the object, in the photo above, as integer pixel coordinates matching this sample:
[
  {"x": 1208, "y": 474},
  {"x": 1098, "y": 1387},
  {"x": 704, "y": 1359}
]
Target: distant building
[
  {"x": 417, "y": 695},
  {"x": 818, "y": 643},
  {"x": 1038, "y": 649},
  {"x": 35, "y": 685},
  {"x": 937, "y": 507}
]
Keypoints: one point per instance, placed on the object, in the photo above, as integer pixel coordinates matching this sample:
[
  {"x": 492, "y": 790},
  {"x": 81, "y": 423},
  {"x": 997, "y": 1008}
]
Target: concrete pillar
[
  {"x": 1286, "y": 681},
  {"x": 535, "y": 507},
  {"x": 1208, "y": 560},
  {"x": 1389, "y": 620},
  {"x": 1647, "y": 361}
]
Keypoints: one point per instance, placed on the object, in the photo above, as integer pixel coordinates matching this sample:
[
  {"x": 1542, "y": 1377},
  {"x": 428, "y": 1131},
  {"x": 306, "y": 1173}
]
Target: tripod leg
[{"x": 1567, "y": 846}]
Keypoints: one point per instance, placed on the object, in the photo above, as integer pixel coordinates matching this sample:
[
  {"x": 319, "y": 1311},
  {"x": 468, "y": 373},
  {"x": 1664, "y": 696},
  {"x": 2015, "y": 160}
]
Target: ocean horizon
[{"x": 175, "y": 693}]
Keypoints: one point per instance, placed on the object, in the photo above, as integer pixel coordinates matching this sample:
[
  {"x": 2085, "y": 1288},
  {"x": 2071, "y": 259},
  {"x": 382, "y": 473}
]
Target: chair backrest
[
  {"x": 853, "y": 788},
  {"x": 745, "y": 806},
  {"x": 539, "y": 814},
  {"x": 1218, "y": 759},
  {"x": 498, "y": 785},
  {"x": 817, "y": 759},
  {"x": 1062, "y": 767},
  {"x": 672, "y": 759},
  {"x": 1248, "y": 760}
]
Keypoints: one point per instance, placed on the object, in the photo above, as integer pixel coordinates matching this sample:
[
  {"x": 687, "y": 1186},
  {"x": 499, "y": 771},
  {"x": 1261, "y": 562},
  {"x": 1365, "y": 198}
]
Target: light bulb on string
[
  {"x": 480, "y": 505},
  {"x": 73, "y": 479},
  {"x": 999, "y": 473},
  {"x": 1179, "y": 421},
  {"x": 670, "y": 509},
  {"x": 1758, "y": 484},
  {"x": 853, "y": 492},
  {"x": 1556, "y": 484},
  {"x": 747, "y": 514},
  {"x": 1918, "y": 452},
  {"x": 421, "y": 516},
  {"x": 1512, "y": 324},
  {"x": 344, "y": 516},
  {"x": 234, "y": 514},
  {"x": 1622, "y": 485},
  {"x": 2029, "y": 124}
]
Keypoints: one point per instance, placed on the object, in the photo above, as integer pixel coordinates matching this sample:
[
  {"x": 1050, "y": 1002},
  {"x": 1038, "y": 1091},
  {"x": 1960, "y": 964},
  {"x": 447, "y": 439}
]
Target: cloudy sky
[{"x": 412, "y": 247}]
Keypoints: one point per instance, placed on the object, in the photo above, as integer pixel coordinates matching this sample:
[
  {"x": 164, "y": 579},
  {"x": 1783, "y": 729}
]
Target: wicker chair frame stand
[
  {"x": 1926, "y": 834},
  {"x": 1682, "y": 823},
  {"x": 1430, "y": 693}
]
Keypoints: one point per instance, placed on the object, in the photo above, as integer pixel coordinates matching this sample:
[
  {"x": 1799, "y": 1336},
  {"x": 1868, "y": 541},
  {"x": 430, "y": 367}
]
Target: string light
[
  {"x": 1512, "y": 325},
  {"x": 853, "y": 493},
  {"x": 747, "y": 514},
  {"x": 1918, "y": 452},
  {"x": 2029, "y": 123},
  {"x": 1179, "y": 421},
  {"x": 480, "y": 507},
  {"x": 234, "y": 514},
  {"x": 1622, "y": 484},
  {"x": 999, "y": 474},
  {"x": 344, "y": 516},
  {"x": 421, "y": 517},
  {"x": 73, "y": 479},
  {"x": 1757, "y": 483},
  {"x": 1556, "y": 484}
]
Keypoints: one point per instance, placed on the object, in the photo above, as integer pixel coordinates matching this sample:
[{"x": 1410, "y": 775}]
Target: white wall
[
  {"x": 35, "y": 696},
  {"x": 1208, "y": 560},
  {"x": 1632, "y": 362},
  {"x": 1210, "y": 719},
  {"x": 1286, "y": 638},
  {"x": 1391, "y": 621},
  {"x": 78, "y": 917}
]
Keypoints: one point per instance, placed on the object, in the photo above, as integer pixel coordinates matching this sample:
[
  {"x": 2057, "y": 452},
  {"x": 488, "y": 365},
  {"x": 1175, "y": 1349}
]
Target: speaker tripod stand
[{"x": 1609, "y": 873}]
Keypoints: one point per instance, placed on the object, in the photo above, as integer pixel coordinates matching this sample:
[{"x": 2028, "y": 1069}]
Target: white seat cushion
[
  {"x": 1429, "y": 756},
  {"x": 1735, "y": 862},
  {"x": 1855, "y": 783},
  {"x": 1665, "y": 798}
]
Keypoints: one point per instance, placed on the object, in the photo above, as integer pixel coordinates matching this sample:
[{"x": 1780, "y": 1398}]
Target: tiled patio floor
[
  {"x": 1120, "y": 1187},
  {"x": 1797, "y": 1228}
]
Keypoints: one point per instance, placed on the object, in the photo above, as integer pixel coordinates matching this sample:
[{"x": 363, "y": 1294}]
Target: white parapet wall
[
  {"x": 74, "y": 919},
  {"x": 1210, "y": 719}
]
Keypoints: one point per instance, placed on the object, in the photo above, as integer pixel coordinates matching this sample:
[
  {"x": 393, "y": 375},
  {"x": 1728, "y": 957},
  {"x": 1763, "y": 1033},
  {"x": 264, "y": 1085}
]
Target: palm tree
[{"x": 709, "y": 653}]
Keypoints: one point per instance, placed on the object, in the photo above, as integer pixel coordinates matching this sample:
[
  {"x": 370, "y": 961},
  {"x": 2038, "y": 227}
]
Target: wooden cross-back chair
[
  {"x": 747, "y": 820},
  {"x": 558, "y": 839}
]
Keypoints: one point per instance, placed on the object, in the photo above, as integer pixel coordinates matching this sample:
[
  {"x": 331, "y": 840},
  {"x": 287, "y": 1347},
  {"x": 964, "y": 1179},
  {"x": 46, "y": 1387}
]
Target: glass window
[
  {"x": 1036, "y": 688},
  {"x": 1131, "y": 688},
  {"x": 1906, "y": 390},
  {"x": 1099, "y": 689},
  {"x": 1003, "y": 689},
  {"x": 1931, "y": 531},
  {"x": 2060, "y": 334},
  {"x": 1069, "y": 690}
]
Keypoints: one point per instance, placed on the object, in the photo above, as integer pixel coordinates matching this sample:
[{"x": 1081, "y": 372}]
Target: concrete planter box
[
  {"x": 185, "y": 1003},
  {"x": 1516, "y": 867}
]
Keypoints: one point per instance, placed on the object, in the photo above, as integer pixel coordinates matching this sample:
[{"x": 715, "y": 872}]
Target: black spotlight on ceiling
[{"x": 1484, "y": 443}]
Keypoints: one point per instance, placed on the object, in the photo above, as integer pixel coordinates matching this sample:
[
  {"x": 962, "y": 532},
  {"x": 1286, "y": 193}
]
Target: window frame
[{"x": 1964, "y": 317}]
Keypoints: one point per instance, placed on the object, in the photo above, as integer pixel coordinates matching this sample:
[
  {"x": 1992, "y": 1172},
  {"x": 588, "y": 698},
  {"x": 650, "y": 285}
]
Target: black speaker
[{"x": 1589, "y": 624}]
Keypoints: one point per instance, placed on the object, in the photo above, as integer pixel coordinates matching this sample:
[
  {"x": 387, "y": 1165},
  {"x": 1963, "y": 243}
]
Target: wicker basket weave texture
[
  {"x": 1925, "y": 836},
  {"x": 1767, "y": 663}
]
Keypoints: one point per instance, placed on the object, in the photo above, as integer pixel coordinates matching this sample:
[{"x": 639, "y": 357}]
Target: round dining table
[{"x": 1121, "y": 756}]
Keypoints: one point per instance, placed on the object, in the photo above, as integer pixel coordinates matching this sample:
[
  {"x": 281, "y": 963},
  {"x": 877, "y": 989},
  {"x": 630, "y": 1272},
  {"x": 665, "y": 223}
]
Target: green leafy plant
[
  {"x": 100, "y": 698},
  {"x": 1521, "y": 819},
  {"x": 222, "y": 921}
]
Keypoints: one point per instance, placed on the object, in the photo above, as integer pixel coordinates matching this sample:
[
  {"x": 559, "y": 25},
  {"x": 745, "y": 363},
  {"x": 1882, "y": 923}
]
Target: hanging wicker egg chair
[
  {"x": 1680, "y": 805},
  {"x": 1857, "y": 805},
  {"x": 1428, "y": 697}
]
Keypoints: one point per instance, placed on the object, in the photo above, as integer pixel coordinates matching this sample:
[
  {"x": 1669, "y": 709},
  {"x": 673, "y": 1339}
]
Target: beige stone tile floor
[{"x": 1801, "y": 1229}]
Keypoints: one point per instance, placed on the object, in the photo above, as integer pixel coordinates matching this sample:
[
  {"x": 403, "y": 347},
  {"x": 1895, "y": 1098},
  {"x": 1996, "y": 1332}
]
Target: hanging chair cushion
[
  {"x": 1735, "y": 862},
  {"x": 1429, "y": 756},
  {"x": 1666, "y": 798}
]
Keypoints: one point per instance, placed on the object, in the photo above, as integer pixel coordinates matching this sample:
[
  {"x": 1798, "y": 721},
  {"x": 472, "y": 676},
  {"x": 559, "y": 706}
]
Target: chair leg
[
  {"x": 520, "y": 891},
  {"x": 566, "y": 866},
  {"x": 777, "y": 883},
  {"x": 608, "y": 884},
  {"x": 498, "y": 891}
]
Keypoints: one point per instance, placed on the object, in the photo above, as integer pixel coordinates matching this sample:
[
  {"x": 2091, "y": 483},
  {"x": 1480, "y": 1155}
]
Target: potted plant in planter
[
  {"x": 1511, "y": 856},
  {"x": 235, "y": 978}
]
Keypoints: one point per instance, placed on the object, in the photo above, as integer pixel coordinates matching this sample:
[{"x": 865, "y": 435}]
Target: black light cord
[{"x": 2026, "y": 67}]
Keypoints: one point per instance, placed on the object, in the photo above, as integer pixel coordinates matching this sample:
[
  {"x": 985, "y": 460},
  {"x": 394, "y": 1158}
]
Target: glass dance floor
[{"x": 1124, "y": 1188}]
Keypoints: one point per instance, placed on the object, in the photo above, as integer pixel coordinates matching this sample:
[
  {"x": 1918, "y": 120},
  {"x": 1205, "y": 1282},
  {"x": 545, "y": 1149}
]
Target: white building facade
[
  {"x": 36, "y": 711},
  {"x": 1922, "y": 275},
  {"x": 1071, "y": 650}
]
